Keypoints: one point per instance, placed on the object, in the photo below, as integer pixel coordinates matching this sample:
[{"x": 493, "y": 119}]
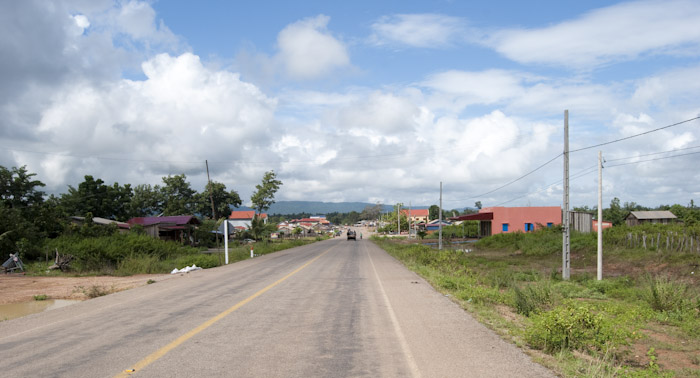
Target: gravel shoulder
[{"x": 21, "y": 288}]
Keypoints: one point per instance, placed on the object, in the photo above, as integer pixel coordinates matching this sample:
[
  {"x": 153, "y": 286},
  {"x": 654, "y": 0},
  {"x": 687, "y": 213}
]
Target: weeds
[
  {"x": 94, "y": 291},
  {"x": 665, "y": 295},
  {"x": 41, "y": 297},
  {"x": 593, "y": 323},
  {"x": 533, "y": 298}
]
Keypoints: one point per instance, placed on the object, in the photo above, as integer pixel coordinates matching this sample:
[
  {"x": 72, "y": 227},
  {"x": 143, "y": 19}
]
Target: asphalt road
[{"x": 336, "y": 308}]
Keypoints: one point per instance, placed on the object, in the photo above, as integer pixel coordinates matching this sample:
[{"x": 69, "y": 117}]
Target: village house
[
  {"x": 176, "y": 228},
  {"x": 657, "y": 217},
  {"x": 240, "y": 220},
  {"x": 497, "y": 220},
  {"x": 416, "y": 215},
  {"x": 123, "y": 227}
]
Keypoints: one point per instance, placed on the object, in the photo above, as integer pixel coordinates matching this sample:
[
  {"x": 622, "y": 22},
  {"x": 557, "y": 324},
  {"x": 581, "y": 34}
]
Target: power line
[
  {"x": 659, "y": 158},
  {"x": 575, "y": 176},
  {"x": 590, "y": 170},
  {"x": 513, "y": 181},
  {"x": 636, "y": 135},
  {"x": 654, "y": 153}
]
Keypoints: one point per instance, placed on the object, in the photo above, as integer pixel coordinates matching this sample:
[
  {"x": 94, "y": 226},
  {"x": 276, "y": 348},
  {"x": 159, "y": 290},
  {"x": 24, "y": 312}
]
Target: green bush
[
  {"x": 574, "y": 327},
  {"x": 125, "y": 251}
]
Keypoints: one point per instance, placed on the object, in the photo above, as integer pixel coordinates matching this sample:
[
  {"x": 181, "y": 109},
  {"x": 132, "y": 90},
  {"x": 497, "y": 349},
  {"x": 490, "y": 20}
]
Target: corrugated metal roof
[
  {"x": 173, "y": 219},
  {"x": 663, "y": 214},
  {"x": 477, "y": 216}
]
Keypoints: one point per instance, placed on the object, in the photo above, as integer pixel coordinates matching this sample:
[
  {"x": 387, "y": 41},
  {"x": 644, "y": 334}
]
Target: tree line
[{"x": 28, "y": 215}]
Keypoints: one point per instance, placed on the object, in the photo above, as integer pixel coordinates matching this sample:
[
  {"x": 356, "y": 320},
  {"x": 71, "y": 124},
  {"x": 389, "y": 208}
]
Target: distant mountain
[{"x": 316, "y": 207}]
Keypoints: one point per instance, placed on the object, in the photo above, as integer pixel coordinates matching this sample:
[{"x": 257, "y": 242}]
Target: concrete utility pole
[
  {"x": 225, "y": 240},
  {"x": 440, "y": 219},
  {"x": 409, "y": 219},
  {"x": 566, "y": 246},
  {"x": 398, "y": 218},
  {"x": 600, "y": 215},
  {"x": 213, "y": 213}
]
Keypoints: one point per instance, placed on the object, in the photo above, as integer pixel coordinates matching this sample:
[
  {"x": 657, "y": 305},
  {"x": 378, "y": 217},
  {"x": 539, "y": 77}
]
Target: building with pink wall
[{"x": 498, "y": 220}]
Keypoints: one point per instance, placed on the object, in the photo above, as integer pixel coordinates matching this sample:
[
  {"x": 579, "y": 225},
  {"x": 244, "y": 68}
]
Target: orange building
[{"x": 498, "y": 220}]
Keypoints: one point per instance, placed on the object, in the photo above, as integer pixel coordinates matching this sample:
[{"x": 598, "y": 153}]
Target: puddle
[{"x": 17, "y": 310}]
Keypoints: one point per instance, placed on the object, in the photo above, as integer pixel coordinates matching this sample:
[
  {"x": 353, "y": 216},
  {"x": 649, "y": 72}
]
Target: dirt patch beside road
[{"x": 19, "y": 288}]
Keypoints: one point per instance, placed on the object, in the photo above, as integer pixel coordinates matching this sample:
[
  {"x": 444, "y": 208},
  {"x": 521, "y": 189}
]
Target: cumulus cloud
[
  {"x": 307, "y": 50},
  {"x": 183, "y": 113},
  {"x": 418, "y": 30},
  {"x": 616, "y": 33}
]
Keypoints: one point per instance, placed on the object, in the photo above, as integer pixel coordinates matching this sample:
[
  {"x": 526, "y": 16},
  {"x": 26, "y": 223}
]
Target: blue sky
[{"x": 361, "y": 101}]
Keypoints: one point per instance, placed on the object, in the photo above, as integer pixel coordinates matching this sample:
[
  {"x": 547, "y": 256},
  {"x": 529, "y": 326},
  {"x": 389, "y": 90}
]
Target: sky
[{"x": 371, "y": 101}]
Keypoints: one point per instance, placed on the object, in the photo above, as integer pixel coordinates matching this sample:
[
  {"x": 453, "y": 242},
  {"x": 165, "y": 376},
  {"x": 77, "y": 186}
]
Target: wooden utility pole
[{"x": 566, "y": 222}]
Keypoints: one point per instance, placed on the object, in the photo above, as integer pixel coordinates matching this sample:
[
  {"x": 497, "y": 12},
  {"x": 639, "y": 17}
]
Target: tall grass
[
  {"x": 126, "y": 254},
  {"x": 581, "y": 315}
]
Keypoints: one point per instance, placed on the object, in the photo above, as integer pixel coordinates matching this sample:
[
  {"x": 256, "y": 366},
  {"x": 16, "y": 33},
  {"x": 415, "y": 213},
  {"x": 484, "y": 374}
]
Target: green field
[{"x": 641, "y": 320}]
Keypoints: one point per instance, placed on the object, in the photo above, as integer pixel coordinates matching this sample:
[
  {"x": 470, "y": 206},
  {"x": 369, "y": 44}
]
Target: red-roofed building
[
  {"x": 177, "y": 228},
  {"x": 243, "y": 218},
  {"x": 417, "y": 215}
]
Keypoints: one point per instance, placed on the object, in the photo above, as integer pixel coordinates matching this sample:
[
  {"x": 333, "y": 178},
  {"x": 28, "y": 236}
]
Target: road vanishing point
[{"x": 336, "y": 308}]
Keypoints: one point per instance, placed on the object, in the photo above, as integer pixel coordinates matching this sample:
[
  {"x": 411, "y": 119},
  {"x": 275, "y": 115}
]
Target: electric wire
[
  {"x": 647, "y": 160},
  {"x": 513, "y": 181},
  {"x": 634, "y": 136},
  {"x": 653, "y": 153}
]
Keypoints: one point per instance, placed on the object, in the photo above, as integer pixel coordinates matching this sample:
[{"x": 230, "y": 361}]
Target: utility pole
[
  {"x": 440, "y": 219},
  {"x": 600, "y": 215},
  {"x": 213, "y": 212},
  {"x": 398, "y": 218},
  {"x": 566, "y": 246},
  {"x": 409, "y": 219}
]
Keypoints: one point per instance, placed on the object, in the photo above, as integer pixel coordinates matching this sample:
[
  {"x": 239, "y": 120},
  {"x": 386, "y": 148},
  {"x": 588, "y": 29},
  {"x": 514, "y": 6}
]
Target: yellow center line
[{"x": 153, "y": 357}]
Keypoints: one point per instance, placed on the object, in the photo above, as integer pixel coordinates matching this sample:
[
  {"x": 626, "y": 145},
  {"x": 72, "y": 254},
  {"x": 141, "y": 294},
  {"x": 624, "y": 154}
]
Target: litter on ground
[{"x": 186, "y": 269}]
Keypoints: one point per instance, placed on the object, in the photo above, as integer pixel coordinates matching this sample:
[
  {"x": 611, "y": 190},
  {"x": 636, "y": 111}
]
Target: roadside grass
[
  {"x": 129, "y": 254},
  {"x": 642, "y": 320}
]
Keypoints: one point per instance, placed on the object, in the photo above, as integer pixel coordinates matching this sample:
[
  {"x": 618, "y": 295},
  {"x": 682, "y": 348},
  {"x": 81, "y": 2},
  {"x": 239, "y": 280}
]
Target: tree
[
  {"x": 477, "y": 204},
  {"x": 93, "y": 196},
  {"x": 223, "y": 200},
  {"x": 615, "y": 213},
  {"x": 371, "y": 212},
  {"x": 178, "y": 196},
  {"x": 264, "y": 195},
  {"x": 25, "y": 218},
  {"x": 259, "y": 230},
  {"x": 18, "y": 189},
  {"x": 146, "y": 201},
  {"x": 433, "y": 212}
]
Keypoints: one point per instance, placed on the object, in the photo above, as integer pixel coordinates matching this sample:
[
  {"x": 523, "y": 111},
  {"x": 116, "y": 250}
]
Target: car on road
[{"x": 352, "y": 235}]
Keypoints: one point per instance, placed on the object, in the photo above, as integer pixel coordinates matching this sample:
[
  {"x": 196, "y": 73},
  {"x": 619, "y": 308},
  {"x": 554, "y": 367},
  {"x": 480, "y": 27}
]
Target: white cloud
[
  {"x": 417, "y": 30},
  {"x": 485, "y": 87},
  {"x": 617, "y": 33},
  {"x": 81, "y": 21},
  {"x": 307, "y": 50},
  {"x": 183, "y": 112}
]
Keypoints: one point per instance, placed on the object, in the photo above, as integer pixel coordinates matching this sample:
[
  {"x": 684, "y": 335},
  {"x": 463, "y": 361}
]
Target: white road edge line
[{"x": 415, "y": 372}]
